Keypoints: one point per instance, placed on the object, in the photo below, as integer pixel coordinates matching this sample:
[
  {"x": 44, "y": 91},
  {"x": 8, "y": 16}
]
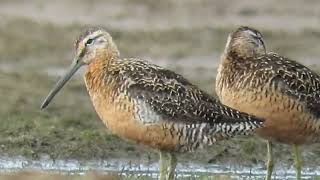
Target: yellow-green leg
[
  {"x": 172, "y": 166},
  {"x": 163, "y": 165},
  {"x": 168, "y": 163},
  {"x": 297, "y": 160},
  {"x": 270, "y": 162}
]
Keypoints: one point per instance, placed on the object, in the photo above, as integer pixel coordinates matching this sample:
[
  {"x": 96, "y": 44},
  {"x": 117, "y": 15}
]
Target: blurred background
[{"x": 187, "y": 36}]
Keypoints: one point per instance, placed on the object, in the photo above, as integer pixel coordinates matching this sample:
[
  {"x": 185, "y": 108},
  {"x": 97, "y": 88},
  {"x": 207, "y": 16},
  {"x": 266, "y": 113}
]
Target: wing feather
[
  {"x": 163, "y": 94},
  {"x": 293, "y": 79}
]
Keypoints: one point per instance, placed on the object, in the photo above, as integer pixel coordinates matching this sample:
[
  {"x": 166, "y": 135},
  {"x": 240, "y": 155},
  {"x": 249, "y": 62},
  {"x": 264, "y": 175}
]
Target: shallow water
[{"x": 128, "y": 167}]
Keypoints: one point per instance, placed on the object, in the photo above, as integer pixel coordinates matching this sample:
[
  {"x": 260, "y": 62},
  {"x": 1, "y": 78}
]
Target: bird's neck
[
  {"x": 237, "y": 54},
  {"x": 97, "y": 73},
  {"x": 104, "y": 57},
  {"x": 233, "y": 65}
]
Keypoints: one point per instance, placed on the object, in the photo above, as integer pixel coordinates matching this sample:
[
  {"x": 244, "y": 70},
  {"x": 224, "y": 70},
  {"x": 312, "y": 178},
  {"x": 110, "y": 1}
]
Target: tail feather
[
  {"x": 230, "y": 129},
  {"x": 234, "y": 122}
]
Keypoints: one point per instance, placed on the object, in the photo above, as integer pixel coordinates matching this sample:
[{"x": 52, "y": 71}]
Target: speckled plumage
[
  {"x": 284, "y": 75},
  {"x": 282, "y": 84},
  {"x": 159, "y": 96},
  {"x": 150, "y": 105},
  {"x": 282, "y": 91}
]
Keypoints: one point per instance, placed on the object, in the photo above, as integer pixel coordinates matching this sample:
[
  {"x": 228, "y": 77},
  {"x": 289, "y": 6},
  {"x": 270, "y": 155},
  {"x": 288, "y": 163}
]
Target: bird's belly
[
  {"x": 122, "y": 122},
  {"x": 286, "y": 119}
]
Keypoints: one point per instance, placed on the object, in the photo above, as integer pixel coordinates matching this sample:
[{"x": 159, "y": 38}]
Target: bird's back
[
  {"x": 158, "y": 107},
  {"x": 276, "y": 88}
]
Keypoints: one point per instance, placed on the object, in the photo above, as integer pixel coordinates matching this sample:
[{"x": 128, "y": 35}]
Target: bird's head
[
  {"x": 93, "y": 45},
  {"x": 245, "y": 42}
]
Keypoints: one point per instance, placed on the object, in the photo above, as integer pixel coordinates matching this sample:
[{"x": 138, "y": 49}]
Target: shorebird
[
  {"x": 282, "y": 91},
  {"x": 150, "y": 105}
]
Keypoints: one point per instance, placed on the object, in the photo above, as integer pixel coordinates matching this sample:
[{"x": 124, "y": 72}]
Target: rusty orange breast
[
  {"x": 287, "y": 120},
  {"x": 117, "y": 112}
]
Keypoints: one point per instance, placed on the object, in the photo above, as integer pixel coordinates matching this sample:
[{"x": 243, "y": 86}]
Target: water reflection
[{"x": 128, "y": 167}]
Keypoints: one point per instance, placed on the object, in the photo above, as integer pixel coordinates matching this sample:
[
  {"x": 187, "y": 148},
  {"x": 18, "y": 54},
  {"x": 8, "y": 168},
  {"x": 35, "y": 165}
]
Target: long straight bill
[{"x": 62, "y": 81}]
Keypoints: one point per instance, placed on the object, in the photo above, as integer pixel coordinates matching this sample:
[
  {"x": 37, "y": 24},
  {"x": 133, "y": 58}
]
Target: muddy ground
[{"x": 36, "y": 45}]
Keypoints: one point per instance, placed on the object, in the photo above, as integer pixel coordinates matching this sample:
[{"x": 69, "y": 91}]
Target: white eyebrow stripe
[
  {"x": 93, "y": 36},
  {"x": 252, "y": 33}
]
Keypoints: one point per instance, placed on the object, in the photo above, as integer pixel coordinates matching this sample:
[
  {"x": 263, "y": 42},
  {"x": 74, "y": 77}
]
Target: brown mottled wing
[
  {"x": 295, "y": 80},
  {"x": 174, "y": 98}
]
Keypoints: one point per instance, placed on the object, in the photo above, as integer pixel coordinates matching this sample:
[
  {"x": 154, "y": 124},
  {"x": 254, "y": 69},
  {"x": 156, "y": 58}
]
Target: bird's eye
[
  {"x": 89, "y": 42},
  {"x": 258, "y": 35}
]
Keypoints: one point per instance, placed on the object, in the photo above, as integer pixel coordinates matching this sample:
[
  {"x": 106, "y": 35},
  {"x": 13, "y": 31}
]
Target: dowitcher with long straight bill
[{"x": 150, "y": 105}]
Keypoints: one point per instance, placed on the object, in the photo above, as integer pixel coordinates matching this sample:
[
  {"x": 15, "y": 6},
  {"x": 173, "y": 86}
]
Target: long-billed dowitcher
[
  {"x": 150, "y": 105},
  {"x": 283, "y": 91}
]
